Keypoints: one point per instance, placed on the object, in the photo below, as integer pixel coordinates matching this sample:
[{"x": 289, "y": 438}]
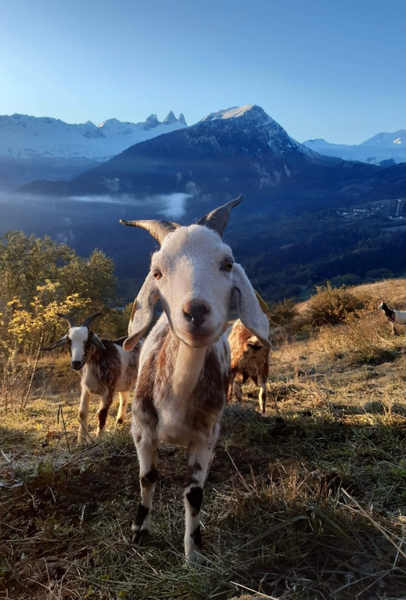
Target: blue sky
[{"x": 322, "y": 68}]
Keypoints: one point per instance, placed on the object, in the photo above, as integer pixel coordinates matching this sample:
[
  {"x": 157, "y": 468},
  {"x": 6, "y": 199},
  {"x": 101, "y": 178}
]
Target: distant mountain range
[
  {"x": 383, "y": 149},
  {"x": 33, "y": 148},
  {"x": 240, "y": 149},
  {"x": 305, "y": 217}
]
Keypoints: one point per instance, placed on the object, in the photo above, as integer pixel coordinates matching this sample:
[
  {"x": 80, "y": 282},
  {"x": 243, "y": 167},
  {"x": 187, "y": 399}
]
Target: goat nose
[
  {"x": 76, "y": 364},
  {"x": 196, "y": 311}
]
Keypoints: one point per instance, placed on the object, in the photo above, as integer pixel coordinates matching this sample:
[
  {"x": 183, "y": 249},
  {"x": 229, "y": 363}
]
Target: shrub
[
  {"x": 360, "y": 339},
  {"x": 282, "y": 313},
  {"x": 330, "y": 306}
]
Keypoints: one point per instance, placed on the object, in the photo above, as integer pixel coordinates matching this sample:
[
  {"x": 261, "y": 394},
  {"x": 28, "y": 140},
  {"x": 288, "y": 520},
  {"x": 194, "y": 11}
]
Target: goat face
[
  {"x": 79, "y": 341},
  {"x": 195, "y": 276}
]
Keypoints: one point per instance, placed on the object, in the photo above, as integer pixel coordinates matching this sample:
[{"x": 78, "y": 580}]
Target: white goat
[
  {"x": 393, "y": 316},
  {"x": 249, "y": 359},
  {"x": 107, "y": 369},
  {"x": 185, "y": 361}
]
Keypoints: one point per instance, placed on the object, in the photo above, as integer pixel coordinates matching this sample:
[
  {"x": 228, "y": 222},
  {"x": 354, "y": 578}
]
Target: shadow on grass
[{"x": 275, "y": 519}]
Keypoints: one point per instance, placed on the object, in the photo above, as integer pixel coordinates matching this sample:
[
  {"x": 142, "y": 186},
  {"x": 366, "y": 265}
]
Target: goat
[
  {"x": 107, "y": 368},
  {"x": 393, "y": 316},
  {"x": 185, "y": 361},
  {"x": 249, "y": 359}
]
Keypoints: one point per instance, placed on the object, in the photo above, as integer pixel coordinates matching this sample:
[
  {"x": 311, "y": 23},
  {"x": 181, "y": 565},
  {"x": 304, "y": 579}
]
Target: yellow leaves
[
  {"x": 25, "y": 328},
  {"x": 14, "y": 303}
]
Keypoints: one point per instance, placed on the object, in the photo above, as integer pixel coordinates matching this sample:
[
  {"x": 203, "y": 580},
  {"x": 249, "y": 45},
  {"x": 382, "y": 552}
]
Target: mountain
[
  {"x": 34, "y": 148},
  {"x": 382, "y": 149},
  {"x": 240, "y": 148},
  {"x": 305, "y": 217},
  {"x": 237, "y": 150}
]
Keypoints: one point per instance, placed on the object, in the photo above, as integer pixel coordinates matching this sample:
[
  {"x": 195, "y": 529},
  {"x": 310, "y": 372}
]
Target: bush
[
  {"x": 332, "y": 305},
  {"x": 360, "y": 339},
  {"x": 282, "y": 313}
]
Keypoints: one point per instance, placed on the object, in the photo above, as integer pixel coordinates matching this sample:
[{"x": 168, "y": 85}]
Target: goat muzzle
[
  {"x": 195, "y": 312},
  {"x": 77, "y": 364}
]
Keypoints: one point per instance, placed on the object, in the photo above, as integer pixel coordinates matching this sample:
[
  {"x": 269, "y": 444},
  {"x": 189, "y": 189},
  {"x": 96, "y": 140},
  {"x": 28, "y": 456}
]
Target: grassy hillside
[{"x": 306, "y": 503}]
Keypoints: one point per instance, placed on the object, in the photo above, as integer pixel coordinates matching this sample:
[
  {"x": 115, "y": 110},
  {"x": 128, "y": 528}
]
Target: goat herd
[
  {"x": 189, "y": 362},
  {"x": 184, "y": 369}
]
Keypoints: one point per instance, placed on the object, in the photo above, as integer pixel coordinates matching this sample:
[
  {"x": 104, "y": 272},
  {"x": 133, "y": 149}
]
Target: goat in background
[
  {"x": 107, "y": 369},
  {"x": 249, "y": 359},
  {"x": 394, "y": 316},
  {"x": 185, "y": 362}
]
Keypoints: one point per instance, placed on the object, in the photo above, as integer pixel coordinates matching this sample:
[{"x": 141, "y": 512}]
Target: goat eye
[
  {"x": 227, "y": 265},
  {"x": 157, "y": 273}
]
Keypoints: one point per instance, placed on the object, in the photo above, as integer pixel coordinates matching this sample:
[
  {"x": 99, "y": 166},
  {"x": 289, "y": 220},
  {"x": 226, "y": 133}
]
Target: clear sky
[{"x": 322, "y": 68}]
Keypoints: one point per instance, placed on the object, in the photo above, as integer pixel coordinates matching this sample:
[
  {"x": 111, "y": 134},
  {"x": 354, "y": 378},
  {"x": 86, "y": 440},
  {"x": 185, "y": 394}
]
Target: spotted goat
[
  {"x": 249, "y": 359},
  {"x": 394, "y": 316},
  {"x": 185, "y": 361},
  {"x": 106, "y": 368}
]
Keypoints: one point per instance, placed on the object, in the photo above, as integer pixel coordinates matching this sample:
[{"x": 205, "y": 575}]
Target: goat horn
[
  {"x": 262, "y": 302},
  {"x": 68, "y": 318},
  {"x": 217, "y": 219},
  {"x": 56, "y": 344},
  {"x": 87, "y": 321},
  {"x": 158, "y": 229}
]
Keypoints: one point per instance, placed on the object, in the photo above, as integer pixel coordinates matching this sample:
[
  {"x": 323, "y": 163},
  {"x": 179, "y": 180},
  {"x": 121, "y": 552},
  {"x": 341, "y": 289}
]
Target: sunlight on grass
[{"x": 308, "y": 502}]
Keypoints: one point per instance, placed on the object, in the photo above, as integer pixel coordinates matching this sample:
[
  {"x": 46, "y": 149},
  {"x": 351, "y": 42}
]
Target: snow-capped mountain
[
  {"x": 254, "y": 116},
  {"x": 381, "y": 149},
  {"x": 23, "y": 136},
  {"x": 239, "y": 147}
]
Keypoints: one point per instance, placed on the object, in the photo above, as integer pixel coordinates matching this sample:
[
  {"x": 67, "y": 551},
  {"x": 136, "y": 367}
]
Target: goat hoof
[
  {"x": 194, "y": 558},
  {"x": 139, "y": 536}
]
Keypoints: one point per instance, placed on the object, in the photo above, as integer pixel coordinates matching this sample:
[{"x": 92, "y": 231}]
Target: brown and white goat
[
  {"x": 106, "y": 369},
  {"x": 249, "y": 359},
  {"x": 185, "y": 362}
]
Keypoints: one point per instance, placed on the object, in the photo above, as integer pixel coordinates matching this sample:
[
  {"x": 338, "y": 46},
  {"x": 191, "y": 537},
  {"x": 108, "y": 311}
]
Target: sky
[{"x": 332, "y": 69}]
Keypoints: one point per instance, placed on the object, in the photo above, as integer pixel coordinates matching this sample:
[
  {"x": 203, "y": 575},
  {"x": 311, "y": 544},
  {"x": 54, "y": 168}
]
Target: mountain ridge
[
  {"x": 23, "y": 136},
  {"x": 382, "y": 149}
]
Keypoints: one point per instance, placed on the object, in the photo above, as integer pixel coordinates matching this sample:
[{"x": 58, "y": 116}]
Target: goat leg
[
  {"x": 199, "y": 457},
  {"x": 105, "y": 404},
  {"x": 122, "y": 408},
  {"x": 83, "y": 415},
  {"x": 147, "y": 451}
]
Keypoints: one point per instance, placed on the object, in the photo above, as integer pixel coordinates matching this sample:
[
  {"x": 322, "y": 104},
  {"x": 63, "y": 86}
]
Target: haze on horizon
[{"x": 322, "y": 70}]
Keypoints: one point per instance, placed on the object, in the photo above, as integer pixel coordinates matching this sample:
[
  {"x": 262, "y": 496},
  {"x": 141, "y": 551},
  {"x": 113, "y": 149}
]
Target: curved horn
[
  {"x": 158, "y": 229},
  {"x": 56, "y": 344},
  {"x": 87, "y": 321},
  {"x": 217, "y": 219},
  {"x": 68, "y": 318}
]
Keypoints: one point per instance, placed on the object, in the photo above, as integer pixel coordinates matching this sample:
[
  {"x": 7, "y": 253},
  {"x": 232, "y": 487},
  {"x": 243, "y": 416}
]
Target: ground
[{"x": 306, "y": 503}]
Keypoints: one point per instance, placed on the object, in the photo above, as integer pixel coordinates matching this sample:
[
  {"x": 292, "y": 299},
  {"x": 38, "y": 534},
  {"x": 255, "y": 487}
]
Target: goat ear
[
  {"x": 249, "y": 309},
  {"x": 97, "y": 342},
  {"x": 56, "y": 344},
  {"x": 142, "y": 313}
]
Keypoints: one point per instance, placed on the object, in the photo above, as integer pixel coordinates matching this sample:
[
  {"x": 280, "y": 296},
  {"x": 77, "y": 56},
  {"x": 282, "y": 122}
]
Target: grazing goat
[
  {"x": 249, "y": 358},
  {"x": 107, "y": 368},
  {"x": 185, "y": 361},
  {"x": 393, "y": 316}
]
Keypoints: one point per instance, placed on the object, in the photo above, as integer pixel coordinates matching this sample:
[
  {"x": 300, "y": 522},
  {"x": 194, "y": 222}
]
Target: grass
[{"x": 307, "y": 503}]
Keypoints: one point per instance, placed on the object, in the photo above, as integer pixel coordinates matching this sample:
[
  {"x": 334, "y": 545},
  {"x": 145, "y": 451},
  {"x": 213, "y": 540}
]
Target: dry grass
[
  {"x": 307, "y": 503},
  {"x": 392, "y": 291}
]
